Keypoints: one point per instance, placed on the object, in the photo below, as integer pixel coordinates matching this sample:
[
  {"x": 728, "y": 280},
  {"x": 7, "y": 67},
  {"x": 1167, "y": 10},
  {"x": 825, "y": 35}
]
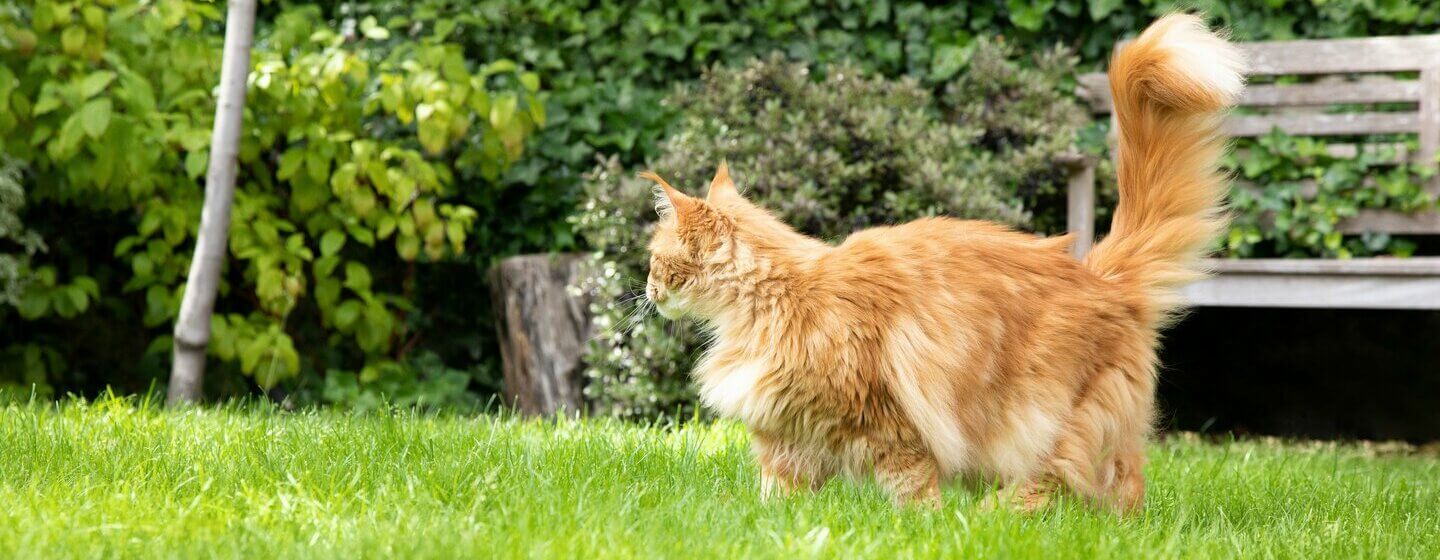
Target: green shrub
[
  {"x": 19, "y": 244},
  {"x": 830, "y": 154},
  {"x": 346, "y": 183}
]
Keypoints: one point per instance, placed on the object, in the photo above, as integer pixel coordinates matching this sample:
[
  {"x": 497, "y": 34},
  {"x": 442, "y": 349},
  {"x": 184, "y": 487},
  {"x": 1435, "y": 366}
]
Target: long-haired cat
[{"x": 944, "y": 348}]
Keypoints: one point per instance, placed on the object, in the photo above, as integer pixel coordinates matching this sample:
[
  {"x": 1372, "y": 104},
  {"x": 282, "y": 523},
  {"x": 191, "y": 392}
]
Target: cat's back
[{"x": 931, "y": 242}]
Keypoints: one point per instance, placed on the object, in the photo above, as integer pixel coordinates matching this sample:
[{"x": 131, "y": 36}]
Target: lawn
[{"x": 124, "y": 479}]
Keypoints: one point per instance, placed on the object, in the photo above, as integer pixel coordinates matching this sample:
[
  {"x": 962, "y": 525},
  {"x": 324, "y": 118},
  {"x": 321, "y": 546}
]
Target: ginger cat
[{"x": 945, "y": 348}]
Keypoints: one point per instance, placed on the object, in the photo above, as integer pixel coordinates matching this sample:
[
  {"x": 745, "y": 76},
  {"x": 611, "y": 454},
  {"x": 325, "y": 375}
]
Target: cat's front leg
[
  {"x": 911, "y": 477},
  {"x": 786, "y": 468}
]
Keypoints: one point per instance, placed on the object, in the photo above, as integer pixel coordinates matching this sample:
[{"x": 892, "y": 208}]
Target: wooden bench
[{"x": 1299, "y": 110}]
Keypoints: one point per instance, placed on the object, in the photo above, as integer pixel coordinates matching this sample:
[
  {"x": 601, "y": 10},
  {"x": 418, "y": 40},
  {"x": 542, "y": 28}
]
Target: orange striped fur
[{"x": 943, "y": 348}]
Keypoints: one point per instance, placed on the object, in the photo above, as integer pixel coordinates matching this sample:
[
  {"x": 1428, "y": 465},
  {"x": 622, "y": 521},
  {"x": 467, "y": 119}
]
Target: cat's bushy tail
[{"x": 1170, "y": 87}]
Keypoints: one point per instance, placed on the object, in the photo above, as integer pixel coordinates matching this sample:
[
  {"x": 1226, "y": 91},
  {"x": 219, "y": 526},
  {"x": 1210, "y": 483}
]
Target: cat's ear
[
  {"x": 721, "y": 186},
  {"x": 668, "y": 200}
]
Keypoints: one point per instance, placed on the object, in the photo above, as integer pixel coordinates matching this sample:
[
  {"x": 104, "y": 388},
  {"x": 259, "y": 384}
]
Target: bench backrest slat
[{"x": 1343, "y": 56}]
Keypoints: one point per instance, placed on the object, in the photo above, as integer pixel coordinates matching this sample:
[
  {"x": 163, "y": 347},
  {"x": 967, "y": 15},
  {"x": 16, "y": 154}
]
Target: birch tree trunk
[{"x": 192, "y": 328}]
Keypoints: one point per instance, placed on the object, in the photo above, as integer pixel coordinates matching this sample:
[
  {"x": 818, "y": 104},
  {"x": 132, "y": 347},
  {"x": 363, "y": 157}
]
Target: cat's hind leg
[{"x": 1100, "y": 454}]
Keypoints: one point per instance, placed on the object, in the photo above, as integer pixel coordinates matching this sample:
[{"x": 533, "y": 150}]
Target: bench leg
[{"x": 1080, "y": 203}]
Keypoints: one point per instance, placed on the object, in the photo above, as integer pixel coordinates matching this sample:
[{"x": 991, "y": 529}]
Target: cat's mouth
[
  {"x": 668, "y": 309},
  {"x": 668, "y": 305}
]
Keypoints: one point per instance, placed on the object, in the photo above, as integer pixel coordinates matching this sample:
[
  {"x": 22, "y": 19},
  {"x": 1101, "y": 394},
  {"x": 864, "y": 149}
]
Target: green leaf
[
  {"x": 373, "y": 31},
  {"x": 531, "y": 81},
  {"x": 408, "y": 246},
  {"x": 195, "y": 163},
  {"x": 331, "y": 242},
  {"x": 1029, "y": 14},
  {"x": 386, "y": 226},
  {"x": 88, "y": 286},
  {"x": 70, "y": 134},
  {"x": 95, "y": 116},
  {"x": 77, "y": 297},
  {"x": 317, "y": 165},
  {"x": 346, "y": 314},
  {"x": 357, "y": 277},
  {"x": 327, "y": 292},
  {"x": 252, "y": 353},
  {"x": 949, "y": 59},
  {"x": 72, "y": 40},
  {"x": 64, "y": 306},
  {"x": 94, "y": 17},
  {"x": 537, "y": 112},
  {"x": 33, "y": 305},
  {"x": 1101, "y": 8},
  {"x": 503, "y": 110},
  {"x": 500, "y": 66},
  {"x": 95, "y": 83},
  {"x": 49, "y": 101},
  {"x": 290, "y": 163}
]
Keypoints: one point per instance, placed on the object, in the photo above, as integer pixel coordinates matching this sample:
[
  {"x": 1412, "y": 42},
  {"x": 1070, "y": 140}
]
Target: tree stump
[{"x": 543, "y": 332}]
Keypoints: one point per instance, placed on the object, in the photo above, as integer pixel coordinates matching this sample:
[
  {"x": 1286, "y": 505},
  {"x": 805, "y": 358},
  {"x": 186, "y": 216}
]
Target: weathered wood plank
[
  {"x": 1095, "y": 88},
  {"x": 1335, "y": 56},
  {"x": 1422, "y": 223},
  {"x": 1347, "y": 291},
  {"x": 1395, "y": 91},
  {"x": 1080, "y": 209},
  {"x": 1379, "y": 266},
  {"x": 1298, "y": 95},
  {"x": 1324, "y": 125},
  {"x": 1430, "y": 119},
  {"x": 543, "y": 330}
]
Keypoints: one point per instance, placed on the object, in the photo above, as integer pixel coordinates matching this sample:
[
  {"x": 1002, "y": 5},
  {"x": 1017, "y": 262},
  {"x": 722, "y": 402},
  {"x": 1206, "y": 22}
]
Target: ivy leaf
[
  {"x": 1101, "y": 8},
  {"x": 1029, "y": 14},
  {"x": 948, "y": 60}
]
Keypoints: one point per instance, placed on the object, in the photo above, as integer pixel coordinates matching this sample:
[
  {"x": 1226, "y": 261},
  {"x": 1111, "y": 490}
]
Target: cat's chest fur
[{"x": 738, "y": 389}]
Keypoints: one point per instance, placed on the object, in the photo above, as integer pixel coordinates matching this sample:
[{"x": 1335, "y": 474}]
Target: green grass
[{"x": 117, "y": 479}]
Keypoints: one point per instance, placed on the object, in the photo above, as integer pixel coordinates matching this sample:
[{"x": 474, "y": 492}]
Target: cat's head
[{"x": 694, "y": 243}]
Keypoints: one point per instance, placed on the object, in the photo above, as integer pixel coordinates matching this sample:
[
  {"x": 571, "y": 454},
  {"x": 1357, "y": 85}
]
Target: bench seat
[{"x": 1370, "y": 283}]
